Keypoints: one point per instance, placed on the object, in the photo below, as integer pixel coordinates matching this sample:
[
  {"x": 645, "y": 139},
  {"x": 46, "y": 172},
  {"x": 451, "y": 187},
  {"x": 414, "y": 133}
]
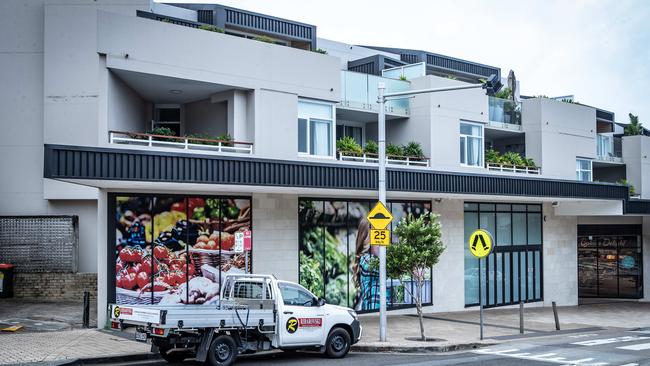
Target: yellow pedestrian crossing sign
[
  {"x": 379, "y": 217},
  {"x": 480, "y": 243}
]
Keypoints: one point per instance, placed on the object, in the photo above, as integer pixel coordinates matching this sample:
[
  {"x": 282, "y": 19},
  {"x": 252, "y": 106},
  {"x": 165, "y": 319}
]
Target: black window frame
[{"x": 528, "y": 250}]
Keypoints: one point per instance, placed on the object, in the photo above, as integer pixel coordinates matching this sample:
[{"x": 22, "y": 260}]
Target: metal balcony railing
[
  {"x": 180, "y": 142},
  {"x": 368, "y": 158},
  {"x": 506, "y": 168}
]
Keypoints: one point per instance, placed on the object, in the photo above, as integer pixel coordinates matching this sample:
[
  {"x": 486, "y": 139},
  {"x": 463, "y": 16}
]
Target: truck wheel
[
  {"x": 338, "y": 343},
  {"x": 171, "y": 356},
  {"x": 222, "y": 351}
]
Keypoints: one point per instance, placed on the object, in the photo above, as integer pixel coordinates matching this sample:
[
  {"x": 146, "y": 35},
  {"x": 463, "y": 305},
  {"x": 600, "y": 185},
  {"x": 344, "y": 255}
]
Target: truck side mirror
[{"x": 321, "y": 302}]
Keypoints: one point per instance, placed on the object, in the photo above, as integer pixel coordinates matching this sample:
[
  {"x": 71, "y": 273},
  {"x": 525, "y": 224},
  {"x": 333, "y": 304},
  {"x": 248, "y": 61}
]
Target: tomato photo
[
  {"x": 161, "y": 252},
  {"x": 142, "y": 279}
]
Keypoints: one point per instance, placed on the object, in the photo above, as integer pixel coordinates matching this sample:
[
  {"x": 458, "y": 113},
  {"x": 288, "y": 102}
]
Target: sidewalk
[
  {"x": 460, "y": 330},
  {"x": 64, "y": 345},
  {"x": 456, "y": 331}
]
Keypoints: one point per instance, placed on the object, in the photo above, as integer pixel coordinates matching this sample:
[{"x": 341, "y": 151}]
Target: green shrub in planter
[
  {"x": 413, "y": 150},
  {"x": 371, "y": 147},
  {"x": 225, "y": 137},
  {"x": 211, "y": 28},
  {"x": 512, "y": 158},
  {"x": 492, "y": 156},
  {"x": 163, "y": 131},
  {"x": 529, "y": 163},
  {"x": 395, "y": 150},
  {"x": 349, "y": 146},
  {"x": 630, "y": 187},
  {"x": 264, "y": 39}
]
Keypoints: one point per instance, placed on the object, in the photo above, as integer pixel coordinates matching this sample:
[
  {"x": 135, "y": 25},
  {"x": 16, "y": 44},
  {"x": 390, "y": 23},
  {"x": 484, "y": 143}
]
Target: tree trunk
[{"x": 418, "y": 305}]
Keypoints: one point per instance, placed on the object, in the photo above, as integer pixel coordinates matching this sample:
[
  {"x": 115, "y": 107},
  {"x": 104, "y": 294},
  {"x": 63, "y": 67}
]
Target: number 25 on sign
[{"x": 380, "y": 237}]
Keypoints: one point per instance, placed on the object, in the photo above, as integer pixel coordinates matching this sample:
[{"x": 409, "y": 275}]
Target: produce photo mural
[
  {"x": 181, "y": 255},
  {"x": 336, "y": 260}
]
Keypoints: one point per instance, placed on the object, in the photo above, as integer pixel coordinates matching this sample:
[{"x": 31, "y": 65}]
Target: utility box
[{"x": 6, "y": 280}]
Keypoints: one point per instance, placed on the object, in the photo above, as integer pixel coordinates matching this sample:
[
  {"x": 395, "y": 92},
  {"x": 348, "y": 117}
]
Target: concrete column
[
  {"x": 102, "y": 270},
  {"x": 275, "y": 235},
  {"x": 646, "y": 258},
  {"x": 237, "y": 121},
  {"x": 448, "y": 275},
  {"x": 560, "y": 257}
]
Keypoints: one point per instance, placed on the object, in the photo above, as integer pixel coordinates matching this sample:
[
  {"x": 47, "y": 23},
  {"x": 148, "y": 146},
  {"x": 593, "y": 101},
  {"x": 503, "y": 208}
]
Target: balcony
[
  {"x": 506, "y": 168},
  {"x": 391, "y": 160},
  {"x": 359, "y": 91},
  {"x": 203, "y": 145},
  {"x": 608, "y": 148},
  {"x": 504, "y": 113}
]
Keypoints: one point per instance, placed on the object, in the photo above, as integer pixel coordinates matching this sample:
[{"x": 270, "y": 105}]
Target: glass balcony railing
[
  {"x": 504, "y": 113},
  {"x": 408, "y": 71},
  {"x": 359, "y": 91},
  {"x": 605, "y": 148}
]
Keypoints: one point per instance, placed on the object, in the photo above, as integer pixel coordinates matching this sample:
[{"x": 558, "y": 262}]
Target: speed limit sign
[{"x": 380, "y": 237}]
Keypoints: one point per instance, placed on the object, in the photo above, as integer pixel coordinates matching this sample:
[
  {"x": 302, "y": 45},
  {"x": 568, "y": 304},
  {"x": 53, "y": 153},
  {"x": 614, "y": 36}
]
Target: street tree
[
  {"x": 634, "y": 127},
  {"x": 418, "y": 249}
]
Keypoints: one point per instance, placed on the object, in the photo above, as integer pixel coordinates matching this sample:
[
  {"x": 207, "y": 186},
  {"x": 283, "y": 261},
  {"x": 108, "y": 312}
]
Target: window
[
  {"x": 296, "y": 296},
  {"x": 471, "y": 144},
  {"x": 350, "y": 131},
  {"x": 167, "y": 115},
  {"x": 315, "y": 121},
  {"x": 583, "y": 170},
  {"x": 249, "y": 290},
  {"x": 512, "y": 272}
]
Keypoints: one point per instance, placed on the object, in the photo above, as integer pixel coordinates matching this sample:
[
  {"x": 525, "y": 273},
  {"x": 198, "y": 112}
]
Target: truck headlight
[{"x": 353, "y": 314}]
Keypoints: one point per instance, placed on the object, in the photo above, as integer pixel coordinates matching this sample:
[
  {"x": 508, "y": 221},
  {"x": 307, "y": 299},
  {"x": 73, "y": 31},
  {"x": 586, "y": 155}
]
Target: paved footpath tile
[{"x": 70, "y": 344}]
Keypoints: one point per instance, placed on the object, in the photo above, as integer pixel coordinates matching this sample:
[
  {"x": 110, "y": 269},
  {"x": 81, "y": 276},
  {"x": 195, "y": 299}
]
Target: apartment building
[{"x": 174, "y": 131}]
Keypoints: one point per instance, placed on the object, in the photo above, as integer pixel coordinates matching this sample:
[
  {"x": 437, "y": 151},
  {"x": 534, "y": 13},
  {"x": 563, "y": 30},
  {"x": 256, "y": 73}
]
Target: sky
[{"x": 597, "y": 50}]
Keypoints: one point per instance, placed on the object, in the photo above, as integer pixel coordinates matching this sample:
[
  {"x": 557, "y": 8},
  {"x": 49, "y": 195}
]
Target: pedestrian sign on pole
[
  {"x": 480, "y": 243},
  {"x": 379, "y": 217},
  {"x": 380, "y": 237}
]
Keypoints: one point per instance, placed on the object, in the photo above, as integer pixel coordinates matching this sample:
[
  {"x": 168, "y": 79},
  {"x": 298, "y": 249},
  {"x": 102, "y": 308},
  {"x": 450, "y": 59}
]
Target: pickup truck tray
[{"x": 226, "y": 315}]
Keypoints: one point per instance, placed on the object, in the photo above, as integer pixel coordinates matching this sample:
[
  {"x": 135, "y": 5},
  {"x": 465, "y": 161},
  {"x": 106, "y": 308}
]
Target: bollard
[
  {"x": 86, "y": 314},
  {"x": 557, "y": 320},
  {"x": 521, "y": 317}
]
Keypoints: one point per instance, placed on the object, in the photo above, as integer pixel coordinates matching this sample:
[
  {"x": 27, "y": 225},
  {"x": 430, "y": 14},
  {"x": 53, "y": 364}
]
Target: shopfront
[
  {"x": 174, "y": 249},
  {"x": 610, "y": 261},
  {"x": 513, "y": 271},
  {"x": 337, "y": 263}
]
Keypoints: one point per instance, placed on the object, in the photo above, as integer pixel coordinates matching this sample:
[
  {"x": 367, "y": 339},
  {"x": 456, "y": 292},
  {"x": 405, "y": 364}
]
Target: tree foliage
[
  {"x": 418, "y": 249},
  {"x": 634, "y": 127}
]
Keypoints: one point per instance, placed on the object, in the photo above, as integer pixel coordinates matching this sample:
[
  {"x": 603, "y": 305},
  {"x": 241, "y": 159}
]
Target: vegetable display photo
[
  {"x": 336, "y": 260},
  {"x": 177, "y": 249}
]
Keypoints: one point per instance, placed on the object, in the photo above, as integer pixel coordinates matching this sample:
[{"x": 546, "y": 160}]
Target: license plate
[{"x": 141, "y": 336}]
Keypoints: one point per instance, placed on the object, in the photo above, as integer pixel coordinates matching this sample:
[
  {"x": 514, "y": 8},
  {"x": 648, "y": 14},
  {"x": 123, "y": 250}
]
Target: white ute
[{"x": 255, "y": 313}]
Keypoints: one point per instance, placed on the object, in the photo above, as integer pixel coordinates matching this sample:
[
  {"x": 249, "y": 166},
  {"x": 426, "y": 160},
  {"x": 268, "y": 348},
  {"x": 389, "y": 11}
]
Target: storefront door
[{"x": 610, "y": 261}]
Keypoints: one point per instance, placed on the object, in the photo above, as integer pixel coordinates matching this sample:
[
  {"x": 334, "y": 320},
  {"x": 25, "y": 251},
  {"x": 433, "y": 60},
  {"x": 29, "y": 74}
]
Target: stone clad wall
[
  {"x": 55, "y": 286},
  {"x": 560, "y": 258}
]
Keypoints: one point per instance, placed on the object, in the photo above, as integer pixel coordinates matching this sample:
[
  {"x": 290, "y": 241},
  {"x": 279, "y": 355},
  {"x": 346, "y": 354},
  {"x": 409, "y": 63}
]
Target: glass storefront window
[
  {"x": 175, "y": 249},
  {"x": 336, "y": 260},
  {"x": 512, "y": 272},
  {"x": 610, "y": 265}
]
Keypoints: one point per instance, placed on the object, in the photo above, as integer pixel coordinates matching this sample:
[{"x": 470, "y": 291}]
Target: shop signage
[
  {"x": 480, "y": 243},
  {"x": 248, "y": 243},
  {"x": 239, "y": 242},
  {"x": 380, "y": 237},
  {"x": 379, "y": 217}
]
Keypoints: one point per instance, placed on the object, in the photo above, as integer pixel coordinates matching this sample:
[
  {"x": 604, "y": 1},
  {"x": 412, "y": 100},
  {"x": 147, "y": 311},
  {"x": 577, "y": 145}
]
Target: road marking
[
  {"x": 631, "y": 364},
  {"x": 636, "y": 347},
  {"x": 598, "y": 342},
  {"x": 540, "y": 357}
]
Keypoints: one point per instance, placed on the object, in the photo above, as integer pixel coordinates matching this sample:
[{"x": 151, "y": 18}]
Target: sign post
[
  {"x": 480, "y": 245},
  {"x": 379, "y": 218}
]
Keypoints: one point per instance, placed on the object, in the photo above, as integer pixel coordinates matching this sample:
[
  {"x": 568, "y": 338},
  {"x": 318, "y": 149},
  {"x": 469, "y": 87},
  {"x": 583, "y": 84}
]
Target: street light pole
[
  {"x": 492, "y": 85},
  {"x": 381, "y": 137}
]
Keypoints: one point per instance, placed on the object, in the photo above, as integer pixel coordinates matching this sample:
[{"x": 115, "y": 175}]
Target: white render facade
[{"x": 95, "y": 77}]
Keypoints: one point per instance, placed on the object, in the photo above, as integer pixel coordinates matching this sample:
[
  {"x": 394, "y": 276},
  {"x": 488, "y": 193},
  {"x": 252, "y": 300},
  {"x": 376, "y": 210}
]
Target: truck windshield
[{"x": 296, "y": 296}]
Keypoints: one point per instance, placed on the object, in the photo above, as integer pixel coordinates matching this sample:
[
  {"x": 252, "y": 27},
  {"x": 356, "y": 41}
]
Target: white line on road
[
  {"x": 636, "y": 347},
  {"x": 540, "y": 357},
  {"x": 598, "y": 342}
]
